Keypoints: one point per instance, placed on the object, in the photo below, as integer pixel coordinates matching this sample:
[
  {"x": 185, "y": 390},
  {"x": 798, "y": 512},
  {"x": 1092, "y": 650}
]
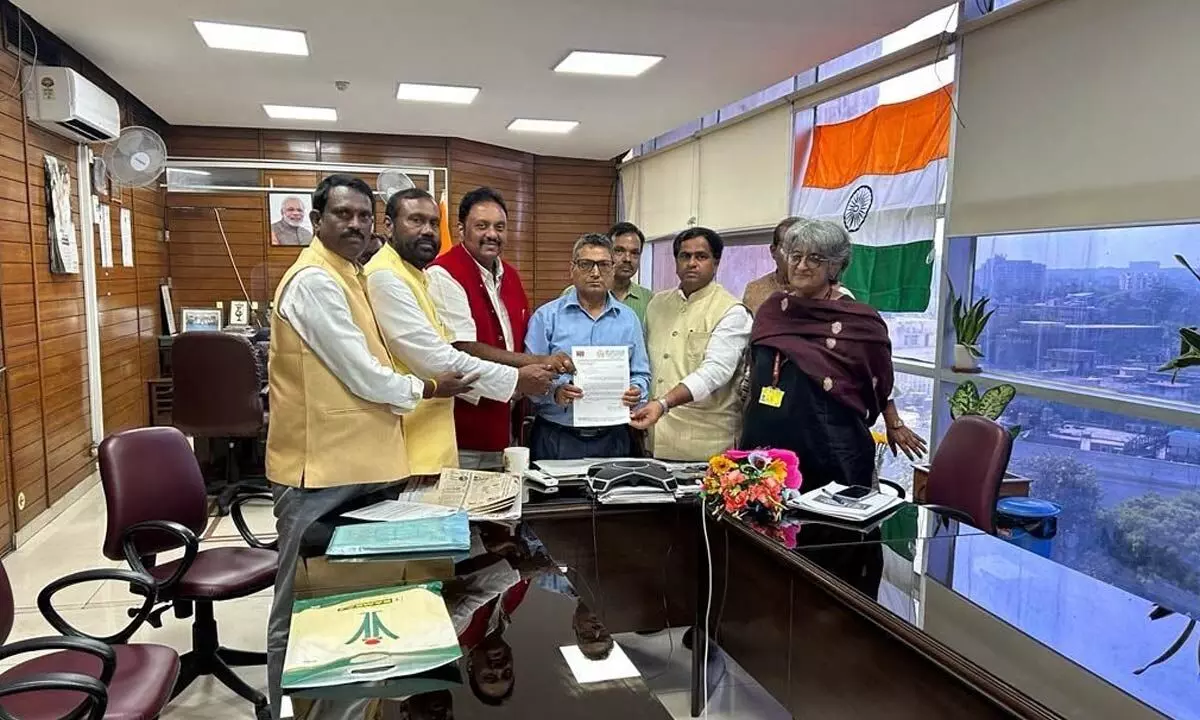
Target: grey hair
[
  {"x": 820, "y": 237},
  {"x": 289, "y": 198},
  {"x": 592, "y": 240}
]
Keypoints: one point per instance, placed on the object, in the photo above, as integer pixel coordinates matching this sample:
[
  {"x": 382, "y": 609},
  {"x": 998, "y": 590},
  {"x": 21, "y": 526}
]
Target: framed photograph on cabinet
[{"x": 200, "y": 319}]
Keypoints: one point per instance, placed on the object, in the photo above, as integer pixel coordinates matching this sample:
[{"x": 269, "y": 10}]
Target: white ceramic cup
[{"x": 516, "y": 460}]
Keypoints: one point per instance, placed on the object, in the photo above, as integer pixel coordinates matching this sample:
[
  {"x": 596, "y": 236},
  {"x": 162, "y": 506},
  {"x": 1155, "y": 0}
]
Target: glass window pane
[
  {"x": 680, "y": 133},
  {"x": 1096, "y": 308},
  {"x": 192, "y": 178},
  {"x": 913, "y": 396},
  {"x": 944, "y": 20},
  {"x": 1129, "y": 490},
  {"x": 758, "y": 99}
]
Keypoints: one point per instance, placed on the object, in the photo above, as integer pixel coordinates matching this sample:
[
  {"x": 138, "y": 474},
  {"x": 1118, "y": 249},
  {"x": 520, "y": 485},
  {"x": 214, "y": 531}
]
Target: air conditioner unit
[{"x": 65, "y": 102}]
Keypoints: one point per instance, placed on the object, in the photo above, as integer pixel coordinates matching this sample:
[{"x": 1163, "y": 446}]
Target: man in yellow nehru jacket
[
  {"x": 419, "y": 341},
  {"x": 336, "y": 430}
]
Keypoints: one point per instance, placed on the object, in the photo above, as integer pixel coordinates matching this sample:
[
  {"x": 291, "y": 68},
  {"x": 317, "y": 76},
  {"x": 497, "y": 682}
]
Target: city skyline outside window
[{"x": 1094, "y": 308}]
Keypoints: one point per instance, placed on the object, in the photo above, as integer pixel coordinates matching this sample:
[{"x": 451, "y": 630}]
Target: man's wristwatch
[
  {"x": 663, "y": 404},
  {"x": 896, "y": 425}
]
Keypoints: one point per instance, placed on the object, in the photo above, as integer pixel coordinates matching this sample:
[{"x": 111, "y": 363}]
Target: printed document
[{"x": 602, "y": 372}]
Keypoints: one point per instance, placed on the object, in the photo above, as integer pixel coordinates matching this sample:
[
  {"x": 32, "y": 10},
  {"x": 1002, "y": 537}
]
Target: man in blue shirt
[{"x": 587, "y": 315}]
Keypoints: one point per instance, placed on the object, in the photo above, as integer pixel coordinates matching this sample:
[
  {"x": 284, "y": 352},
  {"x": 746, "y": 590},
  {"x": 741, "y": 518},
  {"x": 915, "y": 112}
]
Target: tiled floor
[{"x": 72, "y": 543}]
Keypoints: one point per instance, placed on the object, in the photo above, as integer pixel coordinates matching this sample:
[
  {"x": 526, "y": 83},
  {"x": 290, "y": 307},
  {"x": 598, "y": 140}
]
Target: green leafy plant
[
  {"x": 969, "y": 322},
  {"x": 966, "y": 400},
  {"x": 1189, "y": 338}
]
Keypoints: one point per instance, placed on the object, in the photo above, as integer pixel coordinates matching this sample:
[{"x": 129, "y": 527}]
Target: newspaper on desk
[{"x": 489, "y": 496}]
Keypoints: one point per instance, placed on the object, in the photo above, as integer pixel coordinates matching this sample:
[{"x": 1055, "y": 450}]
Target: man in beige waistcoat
[
  {"x": 695, "y": 334},
  {"x": 335, "y": 432}
]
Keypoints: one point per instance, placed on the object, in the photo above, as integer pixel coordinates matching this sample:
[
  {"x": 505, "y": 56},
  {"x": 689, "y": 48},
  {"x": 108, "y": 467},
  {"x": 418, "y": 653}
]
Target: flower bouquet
[{"x": 751, "y": 482}]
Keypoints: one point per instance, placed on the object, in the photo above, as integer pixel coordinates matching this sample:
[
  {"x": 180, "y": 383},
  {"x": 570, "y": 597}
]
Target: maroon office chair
[
  {"x": 87, "y": 677},
  {"x": 965, "y": 473},
  {"x": 218, "y": 394},
  {"x": 156, "y": 502}
]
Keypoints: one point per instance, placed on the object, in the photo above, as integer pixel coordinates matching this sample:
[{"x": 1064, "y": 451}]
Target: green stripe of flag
[{"x": 891, "y": 278}]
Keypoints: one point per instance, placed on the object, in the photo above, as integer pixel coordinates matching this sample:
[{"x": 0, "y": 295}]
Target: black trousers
[{"x": 551, "y": 441}]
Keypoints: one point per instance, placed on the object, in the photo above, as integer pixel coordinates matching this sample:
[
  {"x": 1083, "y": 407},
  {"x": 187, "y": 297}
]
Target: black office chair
[{"x": 218, "y": 394}]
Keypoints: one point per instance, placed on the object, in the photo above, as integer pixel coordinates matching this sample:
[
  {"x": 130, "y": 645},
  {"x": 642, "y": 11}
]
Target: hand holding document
[{"x": 602, "y": 373}]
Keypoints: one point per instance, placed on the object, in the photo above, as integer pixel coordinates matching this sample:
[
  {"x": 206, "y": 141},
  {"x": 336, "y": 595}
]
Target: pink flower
[
  {"x": 737, "y": 455},
  {"x": 793, "y": 479},
  {"x": 732, "y": 479}
]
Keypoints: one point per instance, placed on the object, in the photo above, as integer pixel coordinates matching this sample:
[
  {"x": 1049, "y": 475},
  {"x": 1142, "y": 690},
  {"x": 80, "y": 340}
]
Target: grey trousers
[{"x": 296, "y": 509}]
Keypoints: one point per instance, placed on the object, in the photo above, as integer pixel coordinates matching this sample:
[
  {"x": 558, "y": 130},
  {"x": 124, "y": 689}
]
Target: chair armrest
[
  {"x": 895, "y": 486},
  {"x": 143, "y": 585},
  {"x": 954, "y": 513},
  {"x": 239, "y": 520},
  {"x": 108, "y": 658},
  {"x": 187, "y": 538},
  {"x": 92, "y": 708}
]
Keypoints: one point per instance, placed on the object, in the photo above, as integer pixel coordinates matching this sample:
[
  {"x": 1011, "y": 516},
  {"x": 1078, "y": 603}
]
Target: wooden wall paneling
[
  {"x": 150, "y": 270},
  {"x": 511, "y": 172},
  {"x": 551, "y": 201},
  {"x": 209, "y": 142},
  {"x": 398, "y": 150},
  {"x": 16, "y": 298},
  {"x": 200, "y": 267},
  {"x": 122, "y": 391},
  {"x": 573, "y": 197},
  {"x": 67, "y": 450}
]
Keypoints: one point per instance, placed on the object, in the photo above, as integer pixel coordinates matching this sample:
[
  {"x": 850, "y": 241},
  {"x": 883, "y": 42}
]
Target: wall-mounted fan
[
  {"x": 136, "y": 158},
  {"x": 391, "y": 182}
]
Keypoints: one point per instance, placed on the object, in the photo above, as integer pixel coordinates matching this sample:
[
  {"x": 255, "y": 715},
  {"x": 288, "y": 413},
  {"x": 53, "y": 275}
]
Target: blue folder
[{"x": 448, "y": 535}]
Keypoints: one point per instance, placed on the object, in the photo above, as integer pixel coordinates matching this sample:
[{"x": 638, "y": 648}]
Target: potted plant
[
  {"x": 1189, "y": 338},
  {"x": 969, "y": 322}
]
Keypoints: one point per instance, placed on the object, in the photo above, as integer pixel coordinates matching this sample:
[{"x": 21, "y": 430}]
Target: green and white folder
[{"x": 370, "y": 635}]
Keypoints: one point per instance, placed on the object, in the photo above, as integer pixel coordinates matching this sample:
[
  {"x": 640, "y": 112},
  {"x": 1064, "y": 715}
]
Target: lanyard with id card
[{"x": 771, "y": 395}]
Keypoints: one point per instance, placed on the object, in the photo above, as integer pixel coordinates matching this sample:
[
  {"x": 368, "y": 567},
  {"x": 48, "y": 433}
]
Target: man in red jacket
[{"x": 483, "y": 303}]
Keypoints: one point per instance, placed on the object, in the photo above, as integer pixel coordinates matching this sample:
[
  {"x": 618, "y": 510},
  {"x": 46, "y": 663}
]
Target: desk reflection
[{"x": 512, "y": 608}]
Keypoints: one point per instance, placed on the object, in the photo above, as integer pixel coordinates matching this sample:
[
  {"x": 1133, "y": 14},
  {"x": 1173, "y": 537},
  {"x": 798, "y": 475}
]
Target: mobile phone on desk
[{"x": 854, "y": 492}]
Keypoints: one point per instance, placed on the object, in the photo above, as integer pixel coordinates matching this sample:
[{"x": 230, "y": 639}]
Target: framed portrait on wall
[
  {"x": 200, "y": 319},
  {"x": 290, "y": 224}
]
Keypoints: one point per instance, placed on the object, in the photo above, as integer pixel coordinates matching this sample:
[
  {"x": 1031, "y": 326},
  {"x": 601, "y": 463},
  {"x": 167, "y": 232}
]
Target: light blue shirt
[{"x": 562, "y": 323}]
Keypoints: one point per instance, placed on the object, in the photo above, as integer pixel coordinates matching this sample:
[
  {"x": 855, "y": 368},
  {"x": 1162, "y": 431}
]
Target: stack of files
[
  {"x": 635, "y": 495},
  {"x": 423, "y": 537},
  {"x": 825, "y": 501},
  {"x": 369, "y": 635}
]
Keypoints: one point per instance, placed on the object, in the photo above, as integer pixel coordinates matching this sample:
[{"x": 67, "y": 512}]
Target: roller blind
[
  {"x": 631, "y": 192},
  {"x": 744, "y": 172},
  {"x": 667, "y": 201},
  {"x": 1078, "y": 113}
]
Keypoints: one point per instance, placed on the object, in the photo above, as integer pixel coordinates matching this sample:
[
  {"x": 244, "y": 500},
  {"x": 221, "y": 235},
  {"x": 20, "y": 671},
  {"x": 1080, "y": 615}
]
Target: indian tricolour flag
[{"x": 880, "y": 175}]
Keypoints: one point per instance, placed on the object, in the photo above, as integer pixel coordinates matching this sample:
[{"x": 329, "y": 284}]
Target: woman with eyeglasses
[{"x": 820, "y": 366}]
